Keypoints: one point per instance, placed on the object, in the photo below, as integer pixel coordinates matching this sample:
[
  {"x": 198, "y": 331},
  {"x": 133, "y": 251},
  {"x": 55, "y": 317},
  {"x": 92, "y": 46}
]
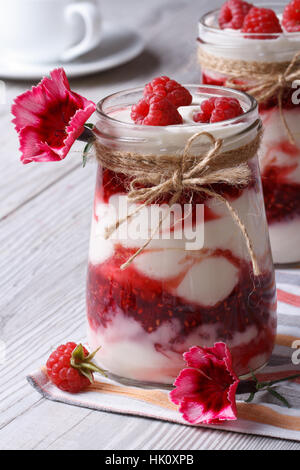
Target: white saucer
[{"x": 118, "y": 45}]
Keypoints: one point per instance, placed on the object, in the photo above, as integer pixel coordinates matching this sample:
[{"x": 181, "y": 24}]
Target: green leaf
[
  {"x": 92, "y": 355},
  {"x": 291, "y": 377},
  {"x": 279, "y": 397},
  {"x": 89, "y": 366},
  {"x": 250, "y": 398},
  {"x": 77, "y": 356},
  {"x": 88, "y": 374},
  {"x": 86, "y": 152},
  {"x": 89, "y": 125},
  {"x": 83, "y": 363}
]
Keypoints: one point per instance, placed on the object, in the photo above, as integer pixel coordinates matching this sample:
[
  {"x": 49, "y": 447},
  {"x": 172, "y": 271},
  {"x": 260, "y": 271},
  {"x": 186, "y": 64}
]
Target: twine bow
[{"x": 185, "y": 173}]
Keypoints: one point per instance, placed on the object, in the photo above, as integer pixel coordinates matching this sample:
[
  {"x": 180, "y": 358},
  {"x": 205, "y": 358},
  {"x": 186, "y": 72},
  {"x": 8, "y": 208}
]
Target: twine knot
[{"x": 282, "y": 82}]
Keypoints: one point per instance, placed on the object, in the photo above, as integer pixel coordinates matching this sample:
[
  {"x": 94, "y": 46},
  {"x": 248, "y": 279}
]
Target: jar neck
[
  {"x": 124, "y": 135},
  {"x": 234, "y": 45}
]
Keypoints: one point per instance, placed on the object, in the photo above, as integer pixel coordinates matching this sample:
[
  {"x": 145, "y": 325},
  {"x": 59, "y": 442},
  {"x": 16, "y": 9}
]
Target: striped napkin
[{"x": 264, "y": 416}]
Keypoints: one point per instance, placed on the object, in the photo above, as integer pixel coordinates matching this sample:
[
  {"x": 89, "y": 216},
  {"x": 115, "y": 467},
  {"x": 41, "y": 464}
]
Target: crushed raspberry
[
  {"x": 112, "y": 292},
  {"x": 282, "y": 198},
  {"x": 261, "y": 20},
  {"x": 61, "y": 373},
  {"x": 167, "y": 88},
  {"x": 232, "y": 14},
  {"x": 156, "y": 111},
  {"x": 218, "y": 109},
  {"x": 291, "y": 17}
]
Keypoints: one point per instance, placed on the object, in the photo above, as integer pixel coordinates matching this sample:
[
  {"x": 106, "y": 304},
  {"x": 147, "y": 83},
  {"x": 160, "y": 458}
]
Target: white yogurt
[
  {"x": 168, "y": 139},
  {"x": 285, "y": 242}
]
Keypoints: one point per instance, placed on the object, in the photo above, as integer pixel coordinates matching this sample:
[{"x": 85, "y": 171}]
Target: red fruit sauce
[{"x": 112, "y": 291}]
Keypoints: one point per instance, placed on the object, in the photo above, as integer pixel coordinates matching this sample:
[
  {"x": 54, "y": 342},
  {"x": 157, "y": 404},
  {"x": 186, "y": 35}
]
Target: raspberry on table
[
  {"x": 218, "y": 109},
  {"x": 291, "y": 17},
  {"x": 170, "y": 89},
  {"x": 232, "y": 14},
  {"x": 155, "y": 111},
  {"x": 71, "y": 378},
  {"x": 261, "y": 20}
]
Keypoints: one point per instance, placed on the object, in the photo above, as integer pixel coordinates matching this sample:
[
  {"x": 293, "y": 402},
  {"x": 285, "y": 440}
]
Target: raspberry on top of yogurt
[
  {"x": 163, "y": 97},
  {"x": 156, "y": 111},
  {"x": 248, "y": 18},
  {"x": 232, "y": 14},
  {"x": 170, "y": 89},
  {"x": 218, "y": 109},
  {"x": 261, "y": 20},
  {"x": 291, "y": 17}
]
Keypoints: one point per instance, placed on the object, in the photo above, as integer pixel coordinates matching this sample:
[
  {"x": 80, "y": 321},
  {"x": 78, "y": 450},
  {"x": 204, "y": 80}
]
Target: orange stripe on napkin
[
  {"x": 286, "y": 340},
  {"x": 248, "y": 411},
  {"x": 154, "y": 397},
  {"x": 288, "y": 298},
  {"x": 265, "y": 415}
]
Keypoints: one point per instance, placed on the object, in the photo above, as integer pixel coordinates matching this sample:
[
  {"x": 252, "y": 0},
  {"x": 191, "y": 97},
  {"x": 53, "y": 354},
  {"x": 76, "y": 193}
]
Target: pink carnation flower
[
  {"x": 205, "y": 391},
  {"x": 49, "y": 118}
]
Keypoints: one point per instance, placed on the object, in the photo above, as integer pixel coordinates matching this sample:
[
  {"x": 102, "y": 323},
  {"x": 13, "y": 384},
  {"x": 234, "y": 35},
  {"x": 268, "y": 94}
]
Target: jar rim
[
  {"x": 234, "y": 33},
  {"x": 201, "y": 89}
]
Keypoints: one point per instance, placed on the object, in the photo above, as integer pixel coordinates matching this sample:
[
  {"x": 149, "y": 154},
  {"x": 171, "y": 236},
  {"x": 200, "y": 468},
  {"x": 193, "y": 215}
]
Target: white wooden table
[{"x": 45, "y": 216}]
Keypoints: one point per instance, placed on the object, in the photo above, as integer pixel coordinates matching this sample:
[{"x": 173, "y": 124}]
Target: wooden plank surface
[{"x": 45, "y": 212}]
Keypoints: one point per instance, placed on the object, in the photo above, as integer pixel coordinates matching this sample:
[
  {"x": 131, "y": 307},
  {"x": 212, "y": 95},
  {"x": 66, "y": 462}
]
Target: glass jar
[
  {"x": 279, "y": 155},
  {"x": 174, "y": 295}
]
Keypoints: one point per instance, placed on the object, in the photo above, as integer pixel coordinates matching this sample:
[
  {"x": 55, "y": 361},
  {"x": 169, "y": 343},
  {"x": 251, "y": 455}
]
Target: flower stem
[
  {"x": 87, "y": 135},
  {"x": 295, "y": 376},
  {"x": 254, "y": 386}
]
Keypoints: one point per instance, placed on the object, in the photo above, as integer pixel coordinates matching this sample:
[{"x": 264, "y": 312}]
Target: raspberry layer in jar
[
  {"x": 172, "y": 296},
  {"x": 279, "y": 158}
]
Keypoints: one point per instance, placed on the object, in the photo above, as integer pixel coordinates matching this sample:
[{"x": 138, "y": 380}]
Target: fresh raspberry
[
  {"x": 291, "y": 17},
  {"x": 218, "y": 109},
  {"x": 71, "y": 378},
  {"x": 232, "y": 14},
  {"x": 156, "y": 111},
  {"x": 261, "y": 20},
  {"x": 167, "y": 88},
  {"x": 206, "y": 109}
]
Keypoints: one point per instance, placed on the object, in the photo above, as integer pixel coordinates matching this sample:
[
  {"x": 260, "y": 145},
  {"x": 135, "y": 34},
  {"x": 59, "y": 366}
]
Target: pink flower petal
[
  {"x": 33, "y": 150},
  {"x": 187, "y": 385},
  {"x": 49, "y": 118},
  {"x": 195, "y": 357},
  {"x": 205, "y": 392},
  {"x": 195, "y": 413}
]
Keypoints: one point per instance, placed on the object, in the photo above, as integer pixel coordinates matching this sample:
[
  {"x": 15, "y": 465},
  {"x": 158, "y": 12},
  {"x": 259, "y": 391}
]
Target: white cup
[{"x": 45, "y": 31}]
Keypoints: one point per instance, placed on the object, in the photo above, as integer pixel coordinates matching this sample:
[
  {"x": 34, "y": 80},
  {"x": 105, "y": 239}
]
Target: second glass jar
[{"x": 279, "y": 157}]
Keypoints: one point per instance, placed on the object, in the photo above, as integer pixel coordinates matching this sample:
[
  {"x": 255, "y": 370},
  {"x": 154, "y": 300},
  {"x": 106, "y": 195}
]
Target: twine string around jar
[
  {"x": 174, "y": 174},
  {"x": 271, "y": 78}
]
